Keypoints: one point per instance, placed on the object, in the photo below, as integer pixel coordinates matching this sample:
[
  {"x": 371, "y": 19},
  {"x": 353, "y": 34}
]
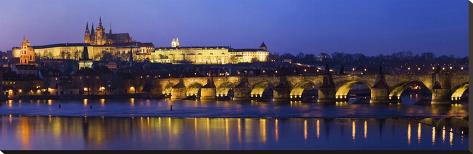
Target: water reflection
[
  {"x": 353, "y": 130},
  {"x": 162, "y": 108},
  {"x": 409, "y": 133},
  {"x": 365, "y": 129},
  {"x": 419, "y": 132},
  {"x": 433, "y": 135},
  {"x": 216, "y": 133}
]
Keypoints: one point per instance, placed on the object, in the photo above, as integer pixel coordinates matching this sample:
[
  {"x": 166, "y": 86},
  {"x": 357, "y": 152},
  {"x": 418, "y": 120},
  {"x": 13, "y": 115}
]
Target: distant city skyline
[{"x": 370, "y": 27}]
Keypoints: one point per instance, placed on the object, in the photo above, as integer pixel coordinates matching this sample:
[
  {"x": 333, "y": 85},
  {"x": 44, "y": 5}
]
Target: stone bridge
[{"x": 444, "y": 87}]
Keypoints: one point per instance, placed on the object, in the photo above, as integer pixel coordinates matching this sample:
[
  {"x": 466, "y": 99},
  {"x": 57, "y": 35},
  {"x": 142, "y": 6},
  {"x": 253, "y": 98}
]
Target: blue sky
[{"x": 310, "y": 26}]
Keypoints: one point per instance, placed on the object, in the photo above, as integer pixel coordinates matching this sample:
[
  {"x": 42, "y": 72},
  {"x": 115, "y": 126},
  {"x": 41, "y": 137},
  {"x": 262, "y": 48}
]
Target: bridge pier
[
  {"x": 326, "y": 95},
  {"x": 441, "y": 88},
  {"x": 380, "y": 88},
  {"x": 441, "y": 96},
  {"x": 178, "y": 91},
  {"x": 282, "y": 91},
  {"x": 327, "y": 90},
  {"x": 379, "y": 95},
  {"x": 209, "y": 91},
  {"x": 242, "y": 92}
]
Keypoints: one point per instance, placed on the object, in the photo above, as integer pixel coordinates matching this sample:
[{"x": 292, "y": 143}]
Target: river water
[{"x": 151, "y": 124}]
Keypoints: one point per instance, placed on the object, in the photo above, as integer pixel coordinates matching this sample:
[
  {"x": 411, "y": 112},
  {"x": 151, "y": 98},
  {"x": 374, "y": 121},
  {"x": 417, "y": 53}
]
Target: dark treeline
[{"x": 406, "y": 57}]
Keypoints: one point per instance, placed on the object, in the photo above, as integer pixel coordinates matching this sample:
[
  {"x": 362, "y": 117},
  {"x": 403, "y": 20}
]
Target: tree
[
  {"x": 106, "y": 57},
  {"x": 63, "y": 54}
]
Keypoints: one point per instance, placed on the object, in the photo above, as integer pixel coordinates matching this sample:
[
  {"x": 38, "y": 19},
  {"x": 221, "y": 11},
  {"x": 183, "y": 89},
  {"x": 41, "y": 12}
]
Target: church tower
[
  {"x": 27, "y": 55},
  {"x": 87, "y": 34},
  {"x": 175, "y": 42},
  {"x": 100, "y": 34},
  {"x": 263, "y": 46}
]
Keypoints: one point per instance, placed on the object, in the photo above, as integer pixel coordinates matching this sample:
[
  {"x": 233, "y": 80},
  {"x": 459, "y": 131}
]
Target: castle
[{"x": 97, "y": 42}]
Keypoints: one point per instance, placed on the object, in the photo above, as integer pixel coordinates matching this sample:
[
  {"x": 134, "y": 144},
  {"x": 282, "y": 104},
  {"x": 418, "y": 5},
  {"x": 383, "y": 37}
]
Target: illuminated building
[
  {"x": 208, "y": 54},
  {"x": 97, "y": 42},
  {"x": 100, "y": 44}
]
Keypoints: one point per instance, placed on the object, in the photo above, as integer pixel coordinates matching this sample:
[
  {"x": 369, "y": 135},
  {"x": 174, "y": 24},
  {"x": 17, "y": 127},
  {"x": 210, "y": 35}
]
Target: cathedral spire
[
  {"x": 110, "y": 30},
  {"x": 100, "y": 21},
  {"x": 87, "y": 28},
  {"x": 93, "y": 30}
]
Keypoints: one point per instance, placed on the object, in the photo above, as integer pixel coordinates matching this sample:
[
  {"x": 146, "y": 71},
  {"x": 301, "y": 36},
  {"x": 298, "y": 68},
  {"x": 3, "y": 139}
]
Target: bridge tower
[
  {"x": 380, "y": 88},
  {"x": 178, "y": 91},
  {"x": 282, "y": 91},
  {"x": 327, "y": 90},
  {"x": 208, "y": 91},
  {"x": 441, "y": 87},
  {"x": 242, "y": 91}
]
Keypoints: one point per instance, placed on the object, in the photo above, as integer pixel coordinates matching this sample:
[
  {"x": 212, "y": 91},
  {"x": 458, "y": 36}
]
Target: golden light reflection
[
  {"x": 451, "y": 136},
  {"x": 433, "y": 135},
  {"x": 365, "y": 131},
  {"x": 170, "y": 125},
  {"x": 208, "y": 127},
  {"x": 85, "y": 101},
  {"x": 276, "y": 129},
  {"x": 102, "y": 102},
  {"x": 56, "y": 128},
  {"x": 227, "y": 136},
  {"x": 305, "y": 129},
  {"x": 409, "y": 133},
  {"x": 262, "y": 123},
  {"x": 10, "y": 103},
  {"x": 353, "y": 130},
  {"x": 50, "y": 102},
  {"x": 239, "y": 130},
  {"x": 318, "y": 128},
  {"x": 23, "y": 133},
  {"x": 10, "y": 119},
  {"x": 195, "y": 125},
  {"x": 419, "y": 132},
  {"x": 443, "y": 134},
  {"x": 132, "y": 102}
]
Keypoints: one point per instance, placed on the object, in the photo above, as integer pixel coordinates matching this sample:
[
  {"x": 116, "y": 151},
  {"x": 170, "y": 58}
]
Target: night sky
[{"x": 310, "y": 26}]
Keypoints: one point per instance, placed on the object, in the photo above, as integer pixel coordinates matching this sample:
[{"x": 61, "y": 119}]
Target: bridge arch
[
  {"x": 167, "y": 89},
  {"x": 193, "y": 89},
  {"x": 304, "y": 89},
  {"x": 399, "y": 89},
  {"x": 459, "y": 91},
  {"x": 262, "y": 89},
  {"x": 224, "y": 89},
  {"x": 343, "y": 91}
]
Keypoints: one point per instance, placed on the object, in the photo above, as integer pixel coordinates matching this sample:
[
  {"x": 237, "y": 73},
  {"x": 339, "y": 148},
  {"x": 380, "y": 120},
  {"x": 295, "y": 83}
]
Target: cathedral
[{"x": 98, "y": 36}]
